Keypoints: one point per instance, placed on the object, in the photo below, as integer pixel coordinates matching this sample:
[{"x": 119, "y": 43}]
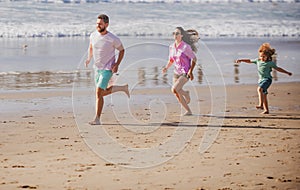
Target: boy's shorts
[
  {"x": 265, "y": 84},
  {"x": 102, "y": 78}
]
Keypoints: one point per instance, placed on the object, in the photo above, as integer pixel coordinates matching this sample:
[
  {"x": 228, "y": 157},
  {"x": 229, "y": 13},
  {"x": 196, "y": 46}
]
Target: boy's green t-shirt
[{"x": 264, "y": 68}]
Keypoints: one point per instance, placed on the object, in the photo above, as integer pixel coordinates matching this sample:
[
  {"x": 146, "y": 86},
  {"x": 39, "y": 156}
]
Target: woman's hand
[
  {"x": 190, "y": 75},
  {"x": 164, "y": 70}
]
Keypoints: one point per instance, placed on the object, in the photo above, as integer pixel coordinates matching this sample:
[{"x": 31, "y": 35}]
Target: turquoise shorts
[
  {"x": 265, "y": 84},
  {"x": 102, "y": 78}
]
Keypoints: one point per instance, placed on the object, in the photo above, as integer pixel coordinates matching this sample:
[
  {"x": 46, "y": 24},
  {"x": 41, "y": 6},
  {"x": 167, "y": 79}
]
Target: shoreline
[{"x": 23, "y": 70}]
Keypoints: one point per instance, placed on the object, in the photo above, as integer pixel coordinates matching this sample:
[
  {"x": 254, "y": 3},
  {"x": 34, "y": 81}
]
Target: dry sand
[{"x": 42, "y": 148}]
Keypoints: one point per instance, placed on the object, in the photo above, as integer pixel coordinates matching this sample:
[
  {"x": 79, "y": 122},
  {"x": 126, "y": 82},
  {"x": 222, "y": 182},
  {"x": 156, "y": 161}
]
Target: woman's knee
[{"x": 173, "y": 90}]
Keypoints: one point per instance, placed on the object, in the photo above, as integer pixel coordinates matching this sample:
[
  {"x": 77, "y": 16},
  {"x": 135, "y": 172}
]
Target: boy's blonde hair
[{"x": 267, "y": 50}]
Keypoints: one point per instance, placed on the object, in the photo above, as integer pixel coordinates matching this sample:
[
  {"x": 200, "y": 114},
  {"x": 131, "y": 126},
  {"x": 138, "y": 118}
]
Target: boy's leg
[
  {"x": 260, "y": 98},
  {"x": 265, "y": 104},
  {"x": 264, "y": 85}
]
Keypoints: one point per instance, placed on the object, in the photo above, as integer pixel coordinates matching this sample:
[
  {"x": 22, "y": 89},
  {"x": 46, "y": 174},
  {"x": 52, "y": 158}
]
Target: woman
[{"x": 181, "y": 54}]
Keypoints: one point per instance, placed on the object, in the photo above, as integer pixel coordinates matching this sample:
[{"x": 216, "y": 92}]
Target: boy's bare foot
[
  {"x": 259, "y": 107},
  {"x": 265, "y": 112},
  {"x": 127, "y": 91},
  {"x": 95, "y": 122}
]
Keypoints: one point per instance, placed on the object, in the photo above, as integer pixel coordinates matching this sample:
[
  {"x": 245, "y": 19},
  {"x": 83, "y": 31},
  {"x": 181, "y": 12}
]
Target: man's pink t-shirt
[
  {"x": 181, "y": 56},
  {"x": 104, "y": 47}
]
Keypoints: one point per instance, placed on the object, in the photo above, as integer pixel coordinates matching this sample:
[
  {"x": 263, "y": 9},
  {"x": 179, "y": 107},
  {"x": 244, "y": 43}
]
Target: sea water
[{"x": 44, "y": 43}]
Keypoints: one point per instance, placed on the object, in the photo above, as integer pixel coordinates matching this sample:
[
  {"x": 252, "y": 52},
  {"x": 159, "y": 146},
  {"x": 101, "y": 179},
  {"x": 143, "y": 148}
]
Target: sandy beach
[
  {"x": 144, "y": 143},
  {"x": 43, "y": 148}
]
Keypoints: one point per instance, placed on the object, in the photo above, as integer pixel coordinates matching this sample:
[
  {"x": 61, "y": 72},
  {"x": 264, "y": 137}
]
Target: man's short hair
[{"x": 104, "y": 18}]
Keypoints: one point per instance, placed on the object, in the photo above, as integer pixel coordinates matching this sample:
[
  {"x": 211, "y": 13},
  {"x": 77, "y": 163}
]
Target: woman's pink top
[{"x": 181, "y": 56}]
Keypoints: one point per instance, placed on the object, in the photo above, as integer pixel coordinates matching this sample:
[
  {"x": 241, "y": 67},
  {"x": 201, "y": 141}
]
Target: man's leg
[
  {"x": 99, "y": 106},
  {"x": 113, "y": 89}
]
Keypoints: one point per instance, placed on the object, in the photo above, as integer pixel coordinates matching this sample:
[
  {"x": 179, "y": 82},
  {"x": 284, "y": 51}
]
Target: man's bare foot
[
  {"x": 259, "y": 107},
  {"x": 95, "y": 122},
  {"x": 127, "y": 91},
  {"x": 265, "y": 112}
]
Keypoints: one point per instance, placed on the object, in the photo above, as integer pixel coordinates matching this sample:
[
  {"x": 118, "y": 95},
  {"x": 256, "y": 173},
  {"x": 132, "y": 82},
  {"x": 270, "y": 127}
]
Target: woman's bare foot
[
  {"x": 265, "y": 112},
  {"x": 188, "y": 113},
  {"x": 95, "y": 122},
  {"x": 259, "y": 107}
]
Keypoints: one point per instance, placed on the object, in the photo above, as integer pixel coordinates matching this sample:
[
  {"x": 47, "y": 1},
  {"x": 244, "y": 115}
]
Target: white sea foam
[{"x": 155, "y": 18}]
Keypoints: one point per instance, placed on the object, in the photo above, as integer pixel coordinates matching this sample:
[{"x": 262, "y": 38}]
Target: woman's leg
[{"x": 180, "y": 93}]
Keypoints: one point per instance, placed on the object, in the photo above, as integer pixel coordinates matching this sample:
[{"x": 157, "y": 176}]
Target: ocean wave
[
  {"x": 163, "y": 1},
  {"x": 205, "y": 31},
  {"x": 153, "y": 18}
]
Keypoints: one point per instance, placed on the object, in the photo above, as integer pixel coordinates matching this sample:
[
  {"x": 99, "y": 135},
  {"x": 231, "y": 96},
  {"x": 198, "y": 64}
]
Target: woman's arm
[
  {"x": 164, "y": 70},
  {"x": 190, "y": 73}
]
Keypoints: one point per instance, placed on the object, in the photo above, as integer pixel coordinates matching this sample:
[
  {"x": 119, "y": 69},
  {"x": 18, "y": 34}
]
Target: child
[{"x": 264, "y": 66}]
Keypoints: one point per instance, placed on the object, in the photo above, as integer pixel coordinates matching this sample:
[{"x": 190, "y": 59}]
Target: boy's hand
[{"x": 237, "y": 61}]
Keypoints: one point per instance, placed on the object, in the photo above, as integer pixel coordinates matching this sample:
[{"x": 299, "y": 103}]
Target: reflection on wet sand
[
  {"x": 236, "y": 73},
  {"x": 154, "y": 77},
  {"x": 200, "y": 74},
  {"x": 274, "y": 72},
  {"x": 44, "y": 79},
  {"x": 141, "y": 76}
]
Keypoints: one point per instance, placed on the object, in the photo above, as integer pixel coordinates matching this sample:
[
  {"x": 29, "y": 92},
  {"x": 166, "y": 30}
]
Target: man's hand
[
  {"x": 87, "y": 62},
  {"x": 115, "y": 68}
]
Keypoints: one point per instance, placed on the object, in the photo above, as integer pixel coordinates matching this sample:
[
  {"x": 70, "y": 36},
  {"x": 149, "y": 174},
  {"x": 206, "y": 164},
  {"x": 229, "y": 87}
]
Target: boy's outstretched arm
[
  {"x": 243, "y": 60},
  {"x": 279, "y": 69}
]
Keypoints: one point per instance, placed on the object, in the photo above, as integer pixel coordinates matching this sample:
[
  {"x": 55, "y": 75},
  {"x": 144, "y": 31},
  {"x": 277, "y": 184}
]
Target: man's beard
[{"x": 101, "y": 29}]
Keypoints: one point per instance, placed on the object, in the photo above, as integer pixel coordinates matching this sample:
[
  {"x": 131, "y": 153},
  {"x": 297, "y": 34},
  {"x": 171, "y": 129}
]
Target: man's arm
[
  {"x": 90, "y": 55},
  {"x": 120, "y": 58}
]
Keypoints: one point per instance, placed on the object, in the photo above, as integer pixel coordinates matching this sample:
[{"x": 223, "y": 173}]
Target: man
[{"x": 102, "y": 47}]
